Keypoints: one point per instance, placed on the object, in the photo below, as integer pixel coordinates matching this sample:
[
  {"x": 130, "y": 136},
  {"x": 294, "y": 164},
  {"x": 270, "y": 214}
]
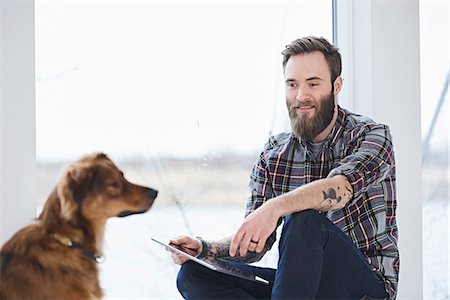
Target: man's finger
[
  {"x": 244, "y": 245},
  {"x": 184, "y": 239},
  {"x": 261, "y": 245},
  {"x": 175, "y": 257},
  {"x": 252, "y": 246},
  {"x": 235, "y": 242}
]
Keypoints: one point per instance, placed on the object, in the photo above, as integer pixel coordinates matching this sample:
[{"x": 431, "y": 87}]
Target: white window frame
[
  {"x": 380, "y": 45},
  {"x": 17, "y": 117}
]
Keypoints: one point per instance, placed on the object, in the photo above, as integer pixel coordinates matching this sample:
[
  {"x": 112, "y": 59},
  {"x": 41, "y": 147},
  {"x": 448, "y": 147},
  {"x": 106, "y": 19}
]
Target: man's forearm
[
  {"x": 322, "y": 195},
  {"x": 220, "y": 249}
]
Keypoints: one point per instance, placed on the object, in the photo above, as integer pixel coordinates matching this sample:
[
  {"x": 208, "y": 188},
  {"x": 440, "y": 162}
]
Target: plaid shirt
[{"x": 360, "y": 149}]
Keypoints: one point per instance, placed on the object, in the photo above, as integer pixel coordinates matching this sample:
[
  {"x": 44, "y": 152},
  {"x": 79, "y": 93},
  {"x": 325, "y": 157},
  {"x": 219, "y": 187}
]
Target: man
[{"x": 332, "y": 182}]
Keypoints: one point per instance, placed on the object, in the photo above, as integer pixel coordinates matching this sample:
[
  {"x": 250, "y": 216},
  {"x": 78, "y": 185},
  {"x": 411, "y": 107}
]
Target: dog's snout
[{"x": 152, "y": 193}]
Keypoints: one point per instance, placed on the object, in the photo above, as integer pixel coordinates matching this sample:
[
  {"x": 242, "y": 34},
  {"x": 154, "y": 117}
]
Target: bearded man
[{"x": 331, "y": 182}]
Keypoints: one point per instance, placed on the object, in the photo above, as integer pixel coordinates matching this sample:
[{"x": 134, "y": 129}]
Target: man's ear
[{"x": 337, "y": 85}]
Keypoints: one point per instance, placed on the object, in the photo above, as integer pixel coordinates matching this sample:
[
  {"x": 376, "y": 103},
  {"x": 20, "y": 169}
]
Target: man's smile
[{"x": 304, "y": 107}]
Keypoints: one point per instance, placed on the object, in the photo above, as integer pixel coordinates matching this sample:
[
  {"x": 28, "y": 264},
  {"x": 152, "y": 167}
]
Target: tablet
[{"x": 219, "y": 265}]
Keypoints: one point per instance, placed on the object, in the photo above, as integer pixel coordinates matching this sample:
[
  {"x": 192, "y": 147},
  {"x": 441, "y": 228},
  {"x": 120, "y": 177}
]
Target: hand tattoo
[{"x": 221, "y": 249}]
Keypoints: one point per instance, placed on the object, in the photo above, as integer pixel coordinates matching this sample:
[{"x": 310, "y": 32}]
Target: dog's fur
[{"x": 36, "y": 263}]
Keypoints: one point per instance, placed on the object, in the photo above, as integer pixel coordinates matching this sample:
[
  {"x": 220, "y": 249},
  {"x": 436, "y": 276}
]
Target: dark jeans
[{"x": 317, "y": 261}]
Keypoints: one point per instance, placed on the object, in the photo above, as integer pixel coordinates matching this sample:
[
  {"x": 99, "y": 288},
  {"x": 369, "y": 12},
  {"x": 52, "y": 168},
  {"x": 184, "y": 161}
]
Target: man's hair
[{"x": 310, "y": 44}]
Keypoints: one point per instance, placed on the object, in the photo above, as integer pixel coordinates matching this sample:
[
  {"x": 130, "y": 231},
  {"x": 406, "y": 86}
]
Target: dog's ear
[
  {"x": 101, "y": 155},
  {"x": 73, "y": 188},
  {"x": 79, "y": 179}
]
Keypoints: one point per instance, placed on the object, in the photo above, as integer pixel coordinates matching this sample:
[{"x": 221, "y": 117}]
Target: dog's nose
[{"x": 152, "y": 193}]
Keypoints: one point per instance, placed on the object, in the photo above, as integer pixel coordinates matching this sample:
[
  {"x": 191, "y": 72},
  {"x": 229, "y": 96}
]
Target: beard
[{"x": 307, "y": 128}]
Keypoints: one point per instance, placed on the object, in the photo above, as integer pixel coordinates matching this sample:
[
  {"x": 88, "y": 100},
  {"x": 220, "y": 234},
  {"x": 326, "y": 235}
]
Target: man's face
[{"x": 309, "y": 94}]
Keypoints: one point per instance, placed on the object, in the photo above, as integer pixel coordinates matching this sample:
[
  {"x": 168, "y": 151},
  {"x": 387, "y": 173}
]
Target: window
[
  {"x": 182, "y": 95},
  {"x": 435, "y": 68}
]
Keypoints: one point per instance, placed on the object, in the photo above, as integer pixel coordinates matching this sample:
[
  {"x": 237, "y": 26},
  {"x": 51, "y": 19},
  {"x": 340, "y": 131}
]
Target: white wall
[
  {"x": 383, "y": 37},
  {"x": 17, "y": 118}
]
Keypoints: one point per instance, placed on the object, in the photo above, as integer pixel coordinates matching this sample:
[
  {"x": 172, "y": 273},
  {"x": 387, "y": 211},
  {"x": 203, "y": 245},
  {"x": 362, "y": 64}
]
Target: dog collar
[{"x": 71, "y": 244}]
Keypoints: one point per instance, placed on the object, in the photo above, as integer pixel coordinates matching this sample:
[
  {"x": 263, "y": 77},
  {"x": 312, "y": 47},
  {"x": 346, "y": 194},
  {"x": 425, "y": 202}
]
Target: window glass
[
  {"x": 435, "y": 63},
  {"x": 182, "y": 95}
]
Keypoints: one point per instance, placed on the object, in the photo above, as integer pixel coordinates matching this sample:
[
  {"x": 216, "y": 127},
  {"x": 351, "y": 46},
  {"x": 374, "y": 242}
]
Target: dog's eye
[{"x": 114, "y": 185}]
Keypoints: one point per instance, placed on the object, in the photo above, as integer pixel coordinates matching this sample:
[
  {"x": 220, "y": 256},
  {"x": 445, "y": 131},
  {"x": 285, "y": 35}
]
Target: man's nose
[{"x": 301, "y": 94}]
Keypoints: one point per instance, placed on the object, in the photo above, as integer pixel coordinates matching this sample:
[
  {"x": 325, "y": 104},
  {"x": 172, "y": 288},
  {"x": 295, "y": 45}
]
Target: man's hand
[
  {"x": 187, "y": 244},
  {"x": 257, "y": 227}
]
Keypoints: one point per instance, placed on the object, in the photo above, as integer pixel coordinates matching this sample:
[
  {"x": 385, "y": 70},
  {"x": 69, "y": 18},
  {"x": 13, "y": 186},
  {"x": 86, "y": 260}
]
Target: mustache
[
  {"x": 305, "y": 103},
  {"x": 298, "y": 104}
]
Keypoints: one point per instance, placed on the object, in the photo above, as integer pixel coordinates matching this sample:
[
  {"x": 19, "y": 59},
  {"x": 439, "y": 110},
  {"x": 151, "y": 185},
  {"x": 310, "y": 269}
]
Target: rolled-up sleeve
[
  {"x": 369, "y": 162},
  {"x": 260, "y": 188}
]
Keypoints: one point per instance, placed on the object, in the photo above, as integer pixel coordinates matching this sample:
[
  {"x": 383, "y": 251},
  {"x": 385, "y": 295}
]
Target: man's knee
[
  {"x": 302, "y": 227},
  {"x": 305, "y": 218},
  {"x": 187, "y": 277}
]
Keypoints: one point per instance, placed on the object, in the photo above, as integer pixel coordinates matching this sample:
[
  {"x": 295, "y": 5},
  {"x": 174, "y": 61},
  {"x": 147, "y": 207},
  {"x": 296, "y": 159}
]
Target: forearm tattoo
[
  {"x": 334, "y": 198},
  {"x": 221, "y": 249}
]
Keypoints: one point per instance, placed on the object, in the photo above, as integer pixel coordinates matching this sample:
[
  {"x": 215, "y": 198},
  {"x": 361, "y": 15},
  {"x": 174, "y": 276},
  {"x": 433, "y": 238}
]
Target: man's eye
[
  {"x": 291, "y": 84},
  {"x": 313, "y": 84}
]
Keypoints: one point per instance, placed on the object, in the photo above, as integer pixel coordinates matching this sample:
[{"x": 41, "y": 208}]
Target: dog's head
[{"x": 96, "y": 189}]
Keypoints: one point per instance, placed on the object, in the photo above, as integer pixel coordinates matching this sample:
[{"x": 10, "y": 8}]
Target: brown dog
[{"x": 56, "y": 257}]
